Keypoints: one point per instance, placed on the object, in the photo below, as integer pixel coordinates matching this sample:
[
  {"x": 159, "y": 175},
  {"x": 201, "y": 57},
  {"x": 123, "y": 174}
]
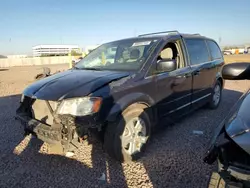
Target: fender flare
[{"x": 126, "y": 101}]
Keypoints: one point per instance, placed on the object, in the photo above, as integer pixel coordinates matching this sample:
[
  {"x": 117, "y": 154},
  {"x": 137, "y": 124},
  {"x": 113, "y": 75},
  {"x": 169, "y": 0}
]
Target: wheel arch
[
  {"x": 140, "y": 100},
  {"x": 219, "y": 78}
]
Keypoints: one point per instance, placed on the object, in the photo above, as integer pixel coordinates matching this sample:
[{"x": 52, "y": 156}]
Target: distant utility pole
[
  {"x": 10, "y": 44},
  {"x": 220, "y": 40}
]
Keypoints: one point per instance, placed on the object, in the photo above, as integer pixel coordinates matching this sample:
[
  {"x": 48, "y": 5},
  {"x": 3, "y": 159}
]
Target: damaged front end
[
  {"x": 230, "y": 146},
  {"x": 62, "y": 108},
  {"x": 40, "y": 118}
]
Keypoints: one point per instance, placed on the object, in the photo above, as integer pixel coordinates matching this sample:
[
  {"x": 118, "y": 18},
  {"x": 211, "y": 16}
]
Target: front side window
[
  {"x": 197, "y": 50},
  {"x": 121, "y": 55},
  {"x": 214, "y": 50}
]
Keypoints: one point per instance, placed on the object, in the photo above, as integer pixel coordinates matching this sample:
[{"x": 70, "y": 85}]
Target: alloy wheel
[{"x": 134, "y": 136}]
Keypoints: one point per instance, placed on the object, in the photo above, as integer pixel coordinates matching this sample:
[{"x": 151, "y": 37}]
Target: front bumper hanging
[{"x": 44, "y": 132}]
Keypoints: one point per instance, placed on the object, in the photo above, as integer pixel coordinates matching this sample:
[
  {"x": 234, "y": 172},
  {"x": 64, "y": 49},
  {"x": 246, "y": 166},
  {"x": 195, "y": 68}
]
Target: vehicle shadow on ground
[
  {"x": 24, "y": 161},
  {"x": 179, "y": 156},
  {"x": 4, "y": 69}
]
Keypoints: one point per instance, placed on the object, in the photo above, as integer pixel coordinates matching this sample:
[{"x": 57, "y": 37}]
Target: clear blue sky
[{"x": 25, "y": 23}]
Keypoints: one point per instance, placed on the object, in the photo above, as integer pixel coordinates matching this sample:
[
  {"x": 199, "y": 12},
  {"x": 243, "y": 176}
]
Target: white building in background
[
  {"x": 53, "y": 50},
  {"x": 16, "y": 56}
]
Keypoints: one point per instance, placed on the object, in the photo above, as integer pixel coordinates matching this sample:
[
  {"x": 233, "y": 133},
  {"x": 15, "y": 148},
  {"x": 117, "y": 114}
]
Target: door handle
[
  {"x": 181, "y": 76},
  {"x": 184, "y": 75},
  {"x": 196, "y": 73},
  {"x": 179, "y": 79}
]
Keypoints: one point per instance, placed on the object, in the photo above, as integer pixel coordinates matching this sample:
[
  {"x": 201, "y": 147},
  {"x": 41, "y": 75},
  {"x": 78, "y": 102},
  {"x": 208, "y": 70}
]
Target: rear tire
[
  {"x": 120, "y": 132},
  {"x": 216, "y": 181},
  {"x": 216, "y": 96}
]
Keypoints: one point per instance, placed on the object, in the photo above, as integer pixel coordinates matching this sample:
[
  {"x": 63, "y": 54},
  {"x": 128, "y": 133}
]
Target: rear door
[
  {"x": 217, "y": 58},
  {"x": 203, "y": 70}
]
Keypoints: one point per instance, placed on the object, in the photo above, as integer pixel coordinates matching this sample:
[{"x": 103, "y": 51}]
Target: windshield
[{"x": 121, "y": 55}]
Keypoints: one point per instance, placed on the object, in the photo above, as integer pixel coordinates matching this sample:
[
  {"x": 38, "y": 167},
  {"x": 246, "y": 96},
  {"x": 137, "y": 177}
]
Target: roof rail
[
  {"x": 167, "y": 32},
  {"x": 197, "y": 34}
]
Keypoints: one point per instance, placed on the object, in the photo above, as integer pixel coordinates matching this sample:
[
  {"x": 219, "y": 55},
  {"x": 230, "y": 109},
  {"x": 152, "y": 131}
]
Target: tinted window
[
  {"x": 197, "y": 50},
  {"x": 214, "y": 50}
]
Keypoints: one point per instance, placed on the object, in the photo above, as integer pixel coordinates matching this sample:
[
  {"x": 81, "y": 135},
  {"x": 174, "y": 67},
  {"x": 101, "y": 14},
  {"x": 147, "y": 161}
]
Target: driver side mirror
[
  {"x": 166, "y": 65},
  {"x": 236, "y": 71}
]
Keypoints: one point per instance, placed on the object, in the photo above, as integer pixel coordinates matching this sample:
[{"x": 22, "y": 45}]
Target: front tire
[{"x": 126, "y": 138}]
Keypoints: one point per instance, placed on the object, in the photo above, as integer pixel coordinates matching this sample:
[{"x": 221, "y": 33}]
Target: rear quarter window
[
  {"x": 214, "y": 50},
  {"x": 197, "y": 50}
]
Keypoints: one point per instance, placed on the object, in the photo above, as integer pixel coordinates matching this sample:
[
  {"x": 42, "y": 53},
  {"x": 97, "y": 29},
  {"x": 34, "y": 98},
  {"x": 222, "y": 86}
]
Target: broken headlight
[{"x": 80, "y": 106}]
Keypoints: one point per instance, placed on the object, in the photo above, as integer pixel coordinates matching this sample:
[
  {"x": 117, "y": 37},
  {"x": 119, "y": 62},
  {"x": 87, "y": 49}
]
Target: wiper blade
[
  {"x": 86, "y": 68},
  {"x": 91, "y": 68}
]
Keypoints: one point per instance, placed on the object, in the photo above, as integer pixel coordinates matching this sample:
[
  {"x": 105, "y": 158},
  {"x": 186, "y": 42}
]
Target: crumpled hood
[
  {"x": 238, "y": 127},
  {"x": 63, "y": 85}
]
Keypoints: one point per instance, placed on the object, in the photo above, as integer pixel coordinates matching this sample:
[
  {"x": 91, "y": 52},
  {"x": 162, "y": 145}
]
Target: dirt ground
[
  {"x": 237, "y": 58},
  {"x": 173, "y": 157}
]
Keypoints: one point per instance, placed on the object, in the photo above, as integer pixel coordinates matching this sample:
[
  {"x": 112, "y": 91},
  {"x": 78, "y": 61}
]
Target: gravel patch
[{"x": 173, "y": 157}]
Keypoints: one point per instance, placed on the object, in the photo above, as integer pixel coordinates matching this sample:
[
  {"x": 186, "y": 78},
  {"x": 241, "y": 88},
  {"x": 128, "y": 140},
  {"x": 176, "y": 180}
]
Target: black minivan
[{"x": 122, "y": 90}]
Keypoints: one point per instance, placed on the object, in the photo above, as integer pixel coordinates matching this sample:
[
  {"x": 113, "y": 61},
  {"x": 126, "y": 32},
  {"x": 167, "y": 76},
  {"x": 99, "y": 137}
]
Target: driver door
[{"x": 174, "y": 89}]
